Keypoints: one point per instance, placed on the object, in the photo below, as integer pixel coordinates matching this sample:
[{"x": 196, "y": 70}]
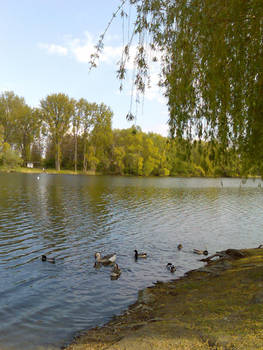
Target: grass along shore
[
  {"x": 25, "y": 170},
  {"x": 217, "y": 307}
]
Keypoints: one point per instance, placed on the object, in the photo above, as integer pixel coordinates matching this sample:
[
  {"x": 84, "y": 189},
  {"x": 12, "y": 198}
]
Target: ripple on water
[{"x": 70, "y": 218}]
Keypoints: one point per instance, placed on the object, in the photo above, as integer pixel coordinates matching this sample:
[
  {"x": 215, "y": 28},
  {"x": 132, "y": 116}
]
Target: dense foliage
[
  {"x": 210, "y": 55},
  {"x": 78, "y": 135}
]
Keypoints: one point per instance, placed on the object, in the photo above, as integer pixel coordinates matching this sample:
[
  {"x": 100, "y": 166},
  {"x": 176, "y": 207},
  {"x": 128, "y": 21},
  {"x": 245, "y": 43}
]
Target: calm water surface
[{"x": 72, "y": 217}]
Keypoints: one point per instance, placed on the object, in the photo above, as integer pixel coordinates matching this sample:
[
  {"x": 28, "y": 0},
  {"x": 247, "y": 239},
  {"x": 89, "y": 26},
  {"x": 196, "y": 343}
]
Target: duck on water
[
  {"x": 171, "y": 267},
  {"x": 200, "y": 252},
  {"x": 116, "y": 272},
  {"x": 51, "y": 260},
  {"x": 106, "y": 259},
  {"x": 139, "y": 255}
]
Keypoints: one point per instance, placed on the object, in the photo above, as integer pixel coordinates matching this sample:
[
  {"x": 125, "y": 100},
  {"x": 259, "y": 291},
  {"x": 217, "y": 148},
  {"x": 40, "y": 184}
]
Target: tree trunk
[
  {"x": 58, "y": 156},
  {"x": 84, "y": 155},
  {"x": 76, "y": 153}
]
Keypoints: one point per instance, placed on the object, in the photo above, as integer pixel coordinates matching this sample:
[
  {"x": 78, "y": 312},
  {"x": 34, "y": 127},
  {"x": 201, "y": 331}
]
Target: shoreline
[
  {"x": 46, "y": 171},
  {"x": 23, "y": 170},
  {"x": 218, "y": 306}
]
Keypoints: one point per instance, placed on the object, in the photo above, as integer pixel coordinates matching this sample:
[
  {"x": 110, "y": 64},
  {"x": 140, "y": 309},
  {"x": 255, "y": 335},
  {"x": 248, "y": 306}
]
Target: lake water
[{"x": 72, "y": 217}]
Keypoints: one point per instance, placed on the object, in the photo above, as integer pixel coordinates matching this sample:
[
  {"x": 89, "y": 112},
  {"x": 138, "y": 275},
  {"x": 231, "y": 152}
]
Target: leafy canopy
[{"x": 211, "y": 66}]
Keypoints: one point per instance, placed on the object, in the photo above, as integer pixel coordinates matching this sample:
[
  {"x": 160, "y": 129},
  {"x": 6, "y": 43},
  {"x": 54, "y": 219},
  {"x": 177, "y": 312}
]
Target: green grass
[{"x": 46, "y": 171}]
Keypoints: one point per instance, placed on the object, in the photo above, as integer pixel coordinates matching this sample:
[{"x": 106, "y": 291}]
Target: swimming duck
[
  {"x": 179, "y": 247},
  {"x": 116, "y": 271},
  {"x": 51, "y": 260},
  {"x": 107, "y": 259},
  {"x": 200, "y": 252},
  {"x": 139, "y": 255},
  {"x": 171, "y": 267}
]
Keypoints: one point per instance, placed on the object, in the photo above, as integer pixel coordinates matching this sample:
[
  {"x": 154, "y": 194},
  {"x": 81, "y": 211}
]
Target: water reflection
[{"x": 70, "y": 218}]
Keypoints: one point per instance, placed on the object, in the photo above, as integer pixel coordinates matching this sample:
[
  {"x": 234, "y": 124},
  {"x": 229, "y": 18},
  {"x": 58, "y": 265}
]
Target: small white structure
[{"x": 30, "y": 165}]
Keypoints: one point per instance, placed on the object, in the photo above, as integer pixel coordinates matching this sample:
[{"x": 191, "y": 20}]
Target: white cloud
[
  {"x": 54, "y": 49},
  {"x": 81, "y": 50}
]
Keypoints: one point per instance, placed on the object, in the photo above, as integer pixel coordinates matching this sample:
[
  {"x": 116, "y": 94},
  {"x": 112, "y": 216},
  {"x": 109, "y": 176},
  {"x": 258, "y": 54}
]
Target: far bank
[{"x": 25, "y": 170}]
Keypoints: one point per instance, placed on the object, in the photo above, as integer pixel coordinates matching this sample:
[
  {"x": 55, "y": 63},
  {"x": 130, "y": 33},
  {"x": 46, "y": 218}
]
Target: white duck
[{"x": 107, "y": 259}]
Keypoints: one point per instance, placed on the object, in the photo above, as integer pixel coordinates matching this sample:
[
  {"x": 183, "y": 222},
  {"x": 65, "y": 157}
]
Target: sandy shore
[{"x": 219, "y": 306}]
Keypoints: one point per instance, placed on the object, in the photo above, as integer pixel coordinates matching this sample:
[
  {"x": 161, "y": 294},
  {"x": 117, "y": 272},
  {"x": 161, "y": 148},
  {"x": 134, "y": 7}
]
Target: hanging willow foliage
[{"x": 211, "y": 56}]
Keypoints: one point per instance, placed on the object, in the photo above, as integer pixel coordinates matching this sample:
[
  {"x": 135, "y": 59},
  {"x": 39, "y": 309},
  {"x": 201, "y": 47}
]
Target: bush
[{"x": 9, "y": 157}]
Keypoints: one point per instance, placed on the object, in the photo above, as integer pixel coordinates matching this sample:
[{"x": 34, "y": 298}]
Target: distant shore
[
  {"x": 218, "y": 306},
  {"x": 25, "y": 170}
]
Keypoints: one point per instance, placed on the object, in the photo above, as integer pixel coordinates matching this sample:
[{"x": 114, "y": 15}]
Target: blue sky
[{"x": 45, "y": 49}]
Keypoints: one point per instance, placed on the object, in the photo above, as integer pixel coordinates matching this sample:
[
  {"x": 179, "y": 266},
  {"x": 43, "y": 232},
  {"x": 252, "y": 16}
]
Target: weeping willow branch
[
  {"x": 210, "y": 53},
  {"x": 100, "y": 45}
]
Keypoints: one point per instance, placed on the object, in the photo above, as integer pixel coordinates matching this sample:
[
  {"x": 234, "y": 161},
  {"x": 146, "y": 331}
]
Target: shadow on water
[{"x": 72, "y": 217}]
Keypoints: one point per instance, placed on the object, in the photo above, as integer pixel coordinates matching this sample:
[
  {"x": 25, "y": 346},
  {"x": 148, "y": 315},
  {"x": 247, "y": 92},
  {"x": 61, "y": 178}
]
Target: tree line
[{"x": 64, "y": 133}]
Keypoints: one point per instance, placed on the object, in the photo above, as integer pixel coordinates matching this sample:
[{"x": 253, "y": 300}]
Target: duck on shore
[
  {"x": 171, "y": 267},
  {"x": 200, "y": 252},
  {"x": 51, "y": 260},
  {"x": 107, "y": 259},
  {"x": 139, "y": 255}
]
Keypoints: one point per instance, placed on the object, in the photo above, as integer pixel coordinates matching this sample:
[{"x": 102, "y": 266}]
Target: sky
[{"x": 46, "y": 47}]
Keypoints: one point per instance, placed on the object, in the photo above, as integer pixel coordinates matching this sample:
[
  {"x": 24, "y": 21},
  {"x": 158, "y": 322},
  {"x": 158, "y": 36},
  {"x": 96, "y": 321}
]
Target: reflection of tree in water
[
  {"x": 56, "y": 220},
  {"x": 18, "y": 202},
  {"x": 77, "y": 210},
  {"x": 96, "y": 209}
]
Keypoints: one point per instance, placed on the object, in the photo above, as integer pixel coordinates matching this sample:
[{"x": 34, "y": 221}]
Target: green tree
[
  {"x": 92, "y": 160},
  {"x": 134, "y": 152},
  {"x": 76, "y": 121},
  {"x": 57, "y": 111},
  {"x": 68, "y": 151},
  {"x": 27, "y": 131},
  {"x": 151, "y": 156},
  {"x": 37, "y": 151},
  {"x": 118, "y": 160},
  {"x": 11, "y": 108},
  {"x": 8, "y": 157},
  {"x": 49, "y": 160},
  {"x": 101, "y": 136},
  {"x": 211, "y": 67},
  {"x": 1, "y": 135},
  {"x": 85, "y": 112}
]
